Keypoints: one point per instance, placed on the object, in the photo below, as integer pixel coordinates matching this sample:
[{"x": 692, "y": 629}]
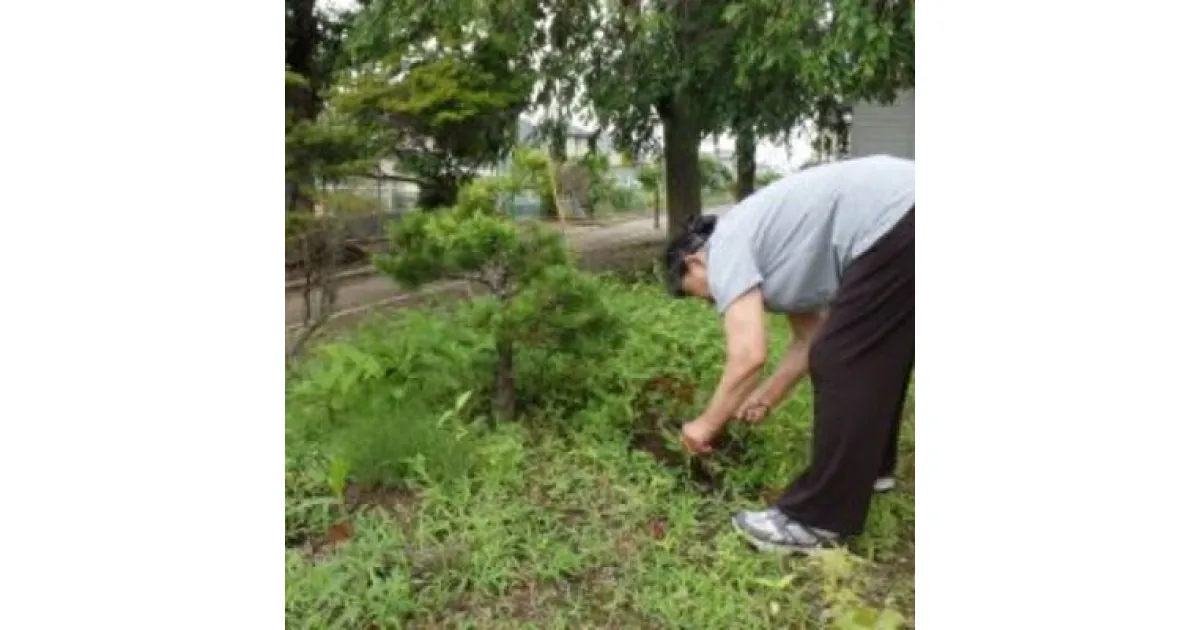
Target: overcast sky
[{"x": 774, "y": 155}]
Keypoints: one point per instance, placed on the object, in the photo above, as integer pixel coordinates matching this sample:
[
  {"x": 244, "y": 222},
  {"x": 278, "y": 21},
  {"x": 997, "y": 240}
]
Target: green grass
[{"x": 407, "y": 508}]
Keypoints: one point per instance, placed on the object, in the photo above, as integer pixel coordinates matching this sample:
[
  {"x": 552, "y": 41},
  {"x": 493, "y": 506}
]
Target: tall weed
[{"x": 376, "y": 401}]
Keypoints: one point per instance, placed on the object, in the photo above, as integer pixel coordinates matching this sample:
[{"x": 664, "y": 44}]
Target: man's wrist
[
  {"x": 767, "y": 397},
  {"x": 711, "y": 421}
]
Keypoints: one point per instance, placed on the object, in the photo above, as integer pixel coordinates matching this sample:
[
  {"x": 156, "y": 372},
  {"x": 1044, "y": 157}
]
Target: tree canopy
[
  {"x": 700, "y": 68},
  {"x": 442, "y": 84},
  {"x": 313, "y": 55}
]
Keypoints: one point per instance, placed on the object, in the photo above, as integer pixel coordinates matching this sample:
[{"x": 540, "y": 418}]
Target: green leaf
[
  {"x": 462, "y": 400},
  {"x": 778, "y": 583}
]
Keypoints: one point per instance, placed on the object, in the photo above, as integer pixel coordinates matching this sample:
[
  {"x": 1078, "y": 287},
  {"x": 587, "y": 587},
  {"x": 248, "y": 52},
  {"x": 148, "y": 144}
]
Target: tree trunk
[
  {"x": 745, "y": 155},
  {"x": 843, "y": 136},
  {"x": 301, "y": 105},
  {"x": 296, "y": 200},
  {"x": 504, "y": 392},
  {"x": 557, "y": 142},
  {"x": 682, "y": 140}
]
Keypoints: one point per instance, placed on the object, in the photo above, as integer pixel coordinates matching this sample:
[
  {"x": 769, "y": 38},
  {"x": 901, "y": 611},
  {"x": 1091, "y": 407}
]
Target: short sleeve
[{"x": 732, "y": 272}]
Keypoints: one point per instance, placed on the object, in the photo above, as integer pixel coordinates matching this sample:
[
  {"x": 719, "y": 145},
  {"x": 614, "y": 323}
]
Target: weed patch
[{"x": 407, "y": 506}]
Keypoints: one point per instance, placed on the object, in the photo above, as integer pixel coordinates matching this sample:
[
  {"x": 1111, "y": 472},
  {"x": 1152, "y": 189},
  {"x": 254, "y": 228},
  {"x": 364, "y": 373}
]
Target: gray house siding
[{"x": 885, "y": 129}]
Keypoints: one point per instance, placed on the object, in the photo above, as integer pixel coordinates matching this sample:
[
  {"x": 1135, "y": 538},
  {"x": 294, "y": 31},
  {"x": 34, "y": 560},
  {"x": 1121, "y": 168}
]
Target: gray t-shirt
[{"x": 795, "y": 238}]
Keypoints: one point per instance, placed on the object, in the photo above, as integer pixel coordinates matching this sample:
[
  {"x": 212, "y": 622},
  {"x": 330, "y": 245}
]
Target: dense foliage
[
  {"x": 443, "y": 103},
  {"x": 714, "y": 175},
  {"x": 752, "y": 67},
  {"x": 408, "y": 508},
  {"x": 315, "y": 148},
  {"x": 444, "y": 83},
  {"x": 536, "y": 297}
]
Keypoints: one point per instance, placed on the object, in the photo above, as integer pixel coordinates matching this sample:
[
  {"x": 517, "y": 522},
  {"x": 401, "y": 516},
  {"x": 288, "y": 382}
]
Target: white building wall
[{"x": 885, "y": 129}]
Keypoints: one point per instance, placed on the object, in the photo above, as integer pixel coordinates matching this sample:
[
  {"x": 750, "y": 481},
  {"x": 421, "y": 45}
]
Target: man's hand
[
  {"x": 754, "y": 410},
  {"x": 792, "y": 367},
  {"x": 697, "y": 436}
]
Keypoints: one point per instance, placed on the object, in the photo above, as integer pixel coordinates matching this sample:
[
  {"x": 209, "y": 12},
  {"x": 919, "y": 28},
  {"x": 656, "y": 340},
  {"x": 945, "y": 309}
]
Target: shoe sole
[{"x": 769, "y": 547}]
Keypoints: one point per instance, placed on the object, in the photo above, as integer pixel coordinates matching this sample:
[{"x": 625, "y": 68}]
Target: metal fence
[
  {"x": 368, "y": 227},
  {"x": 392, "y": 200},
  {"x": 390, "y": 197}
]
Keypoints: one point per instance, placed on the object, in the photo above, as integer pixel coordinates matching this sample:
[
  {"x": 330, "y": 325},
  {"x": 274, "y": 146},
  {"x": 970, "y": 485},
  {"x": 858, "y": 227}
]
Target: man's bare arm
[
  {"x": 793, "y": 366},
  {"x": 745, "y": 354}
]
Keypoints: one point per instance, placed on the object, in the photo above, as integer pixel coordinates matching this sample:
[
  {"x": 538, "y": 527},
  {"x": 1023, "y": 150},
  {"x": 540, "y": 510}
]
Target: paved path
[{"x": 357, "y": 294}]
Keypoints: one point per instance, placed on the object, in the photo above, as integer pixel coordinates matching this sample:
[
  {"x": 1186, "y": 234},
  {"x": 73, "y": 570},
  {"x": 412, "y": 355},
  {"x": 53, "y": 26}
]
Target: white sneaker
[
  {"x": 885, "y": 484},
  {"x": 772, "y": 531}
]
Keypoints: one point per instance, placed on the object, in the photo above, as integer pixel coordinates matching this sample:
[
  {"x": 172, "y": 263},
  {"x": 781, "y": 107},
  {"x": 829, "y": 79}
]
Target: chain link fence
[{"x": 367, "y": 206}]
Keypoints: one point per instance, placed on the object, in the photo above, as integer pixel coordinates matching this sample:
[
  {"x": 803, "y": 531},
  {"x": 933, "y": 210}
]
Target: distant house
[
  {"x": 888, "y": 129},
  {"x": 528, "y": 135},
  {"x": 577, "y": 142},
  {"x": 577, "y": 139}
]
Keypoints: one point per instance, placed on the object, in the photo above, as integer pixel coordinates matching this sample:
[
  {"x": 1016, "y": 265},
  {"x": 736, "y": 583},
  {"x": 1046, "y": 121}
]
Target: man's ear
[{"x": 694, "y": 259}]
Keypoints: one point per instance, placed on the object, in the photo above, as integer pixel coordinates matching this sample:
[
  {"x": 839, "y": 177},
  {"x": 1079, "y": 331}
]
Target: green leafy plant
[
  {"x": 309, "y": 506},
  {"x": 650, "y": 176},
  {"x": 599, "y": 185},
  {"x": 763, "y": 180},
  {"x": 841, "y": 574},
  {"x": 322, "y": 149},
  {"x": 339, "y": 473},
  {"x": 376, "y": 403},
  {"x": 532, "y": 170},
  {"x": 533, "y": 293},
  {"x": 444, "y": 100},
  {"x": 623, "y": 199},
  {"x": 714, "y": 176},
  {"x": 395, "y": 440},
  {"x": 524, "y": 524}
]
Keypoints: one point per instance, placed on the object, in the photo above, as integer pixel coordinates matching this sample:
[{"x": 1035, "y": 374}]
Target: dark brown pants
[{"x": 860, "y": 365}]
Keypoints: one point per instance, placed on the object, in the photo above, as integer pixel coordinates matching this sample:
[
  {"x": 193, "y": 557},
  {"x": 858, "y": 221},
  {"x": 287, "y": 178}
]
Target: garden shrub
[
  {"x": 714, "y": 176},
  {"x": 661, "y": 375},
  {"x": 625, "y": 199},
  {"x": 534, "y": 295},
  {"x": 599, "y": 187}
]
